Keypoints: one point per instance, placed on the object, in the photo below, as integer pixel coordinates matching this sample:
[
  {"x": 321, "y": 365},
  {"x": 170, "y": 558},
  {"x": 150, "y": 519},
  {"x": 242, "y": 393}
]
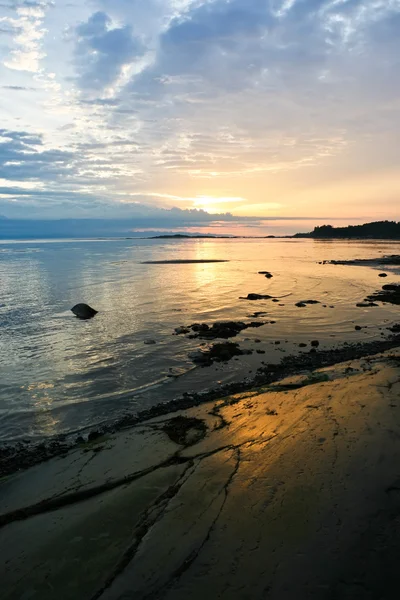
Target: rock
[
  {"x": 199, "y": 327},
  {"x": 393, "y": 259},
  {"x": 391, "y": 287},
  {"x": 302, "y": 345},
  {"x": 315, "y": 343},
  {"x": 277, "y": 343},
  {"x": 83, "y": 311},
  {"x": 181, "y": 330},
  {"x": 260, "y": 351},
  {"x": 221, "y": 352},
  {"x": 94, "y": 435},
  {"x": 366, "y": 304},
  {"x": 395, "y": 328},
  {"x": 267, "y": 274},
  {"x": 390, "y": 293},
  {"x": 305, "y": 302},
  {"x": 357, "y": 328},
  {"x": 275, "y": 300},
  {"x": 382, "y": 275},
  {"x": 301, "y": 305},
  {"x": 257, "y": 297},
  {"x": 185, "y": 431},
  {"x": 150, "y": 342},
  {"x": 256, "y": 315},
  {"x": 198, "y": 356}
]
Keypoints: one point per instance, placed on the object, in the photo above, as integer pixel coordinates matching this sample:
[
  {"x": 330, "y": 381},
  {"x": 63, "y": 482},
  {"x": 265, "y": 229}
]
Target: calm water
[{"x": 60, "y": 374}]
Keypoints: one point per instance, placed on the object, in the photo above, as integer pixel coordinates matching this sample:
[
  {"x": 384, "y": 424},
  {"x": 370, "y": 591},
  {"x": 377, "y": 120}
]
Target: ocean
[{"x": 60, "y": 375}]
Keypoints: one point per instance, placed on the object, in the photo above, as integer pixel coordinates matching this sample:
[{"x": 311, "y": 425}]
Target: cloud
[
  {"x": 24, "y": 158},
  {"x": 102, "y": 51},
  {"x": 270, "y": 101},
  {"x": 18, "y": 88},
  {"x": 28, "y": 31}
]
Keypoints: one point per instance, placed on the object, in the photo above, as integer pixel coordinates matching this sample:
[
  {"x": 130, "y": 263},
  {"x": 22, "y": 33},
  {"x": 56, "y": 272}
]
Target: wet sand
[{"x": 285, "y": 492}]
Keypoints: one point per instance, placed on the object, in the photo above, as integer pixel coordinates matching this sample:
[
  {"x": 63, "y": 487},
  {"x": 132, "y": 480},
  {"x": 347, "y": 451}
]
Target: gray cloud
[
  {"x": 102, "y": 51},
  {"x": 18, "y": 88},
  {"x": 23, "y": 158}
]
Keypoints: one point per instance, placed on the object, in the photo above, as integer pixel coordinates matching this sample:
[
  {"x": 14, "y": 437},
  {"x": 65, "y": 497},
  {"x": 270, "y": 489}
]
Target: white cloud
[{"x": 27, "y": 49}]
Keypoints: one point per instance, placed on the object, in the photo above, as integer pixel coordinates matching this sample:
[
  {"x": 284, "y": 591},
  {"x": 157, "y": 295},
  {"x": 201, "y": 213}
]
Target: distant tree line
[{"x": 377, "y": 230}]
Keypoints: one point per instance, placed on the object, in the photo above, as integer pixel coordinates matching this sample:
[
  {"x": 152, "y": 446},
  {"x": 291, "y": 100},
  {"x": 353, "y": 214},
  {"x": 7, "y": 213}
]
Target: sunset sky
[{"x": 267, "y": 109}]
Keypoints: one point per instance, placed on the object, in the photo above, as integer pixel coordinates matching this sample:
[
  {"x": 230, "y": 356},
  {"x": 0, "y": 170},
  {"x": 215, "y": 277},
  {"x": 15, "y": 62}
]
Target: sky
[{"x": 269, "y": 116}]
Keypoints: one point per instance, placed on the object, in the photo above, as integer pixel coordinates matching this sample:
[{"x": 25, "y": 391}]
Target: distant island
[{"x": 381, "y": 230}]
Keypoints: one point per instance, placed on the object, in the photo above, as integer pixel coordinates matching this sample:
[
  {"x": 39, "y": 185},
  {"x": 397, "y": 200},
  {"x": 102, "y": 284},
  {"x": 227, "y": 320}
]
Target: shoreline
[
  {"x": 20, "y": 455},
  {"x": 289, "y": 491}
]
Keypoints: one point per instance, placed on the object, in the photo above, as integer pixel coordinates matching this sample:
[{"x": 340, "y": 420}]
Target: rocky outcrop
[
  {"x": 391, "y": 260},
  {"x": 220, "y": 329},
  {"x": 256, "y": 297},
  {"x": 390, "y": 293}
]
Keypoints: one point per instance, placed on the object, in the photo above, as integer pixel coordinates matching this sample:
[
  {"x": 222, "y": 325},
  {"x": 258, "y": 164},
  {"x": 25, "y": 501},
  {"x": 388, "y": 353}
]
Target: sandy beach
[{"x": 285, "y": 492}]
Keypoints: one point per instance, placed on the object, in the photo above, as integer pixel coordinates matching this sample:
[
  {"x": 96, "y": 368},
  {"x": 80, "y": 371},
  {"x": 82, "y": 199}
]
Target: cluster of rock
[
  {"x": 220, "y": 329},
  {"x": 390, "y": 293}
]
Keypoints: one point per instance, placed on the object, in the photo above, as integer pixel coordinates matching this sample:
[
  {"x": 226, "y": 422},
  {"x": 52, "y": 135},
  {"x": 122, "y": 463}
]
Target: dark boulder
[
  {"x": 382, "y": 275},
  {"x": 83, "y": 311},
  {"x": 267, "y": 274},
  {"x": 257, "y": 297},
  {"x": 315, "y": 343}
]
